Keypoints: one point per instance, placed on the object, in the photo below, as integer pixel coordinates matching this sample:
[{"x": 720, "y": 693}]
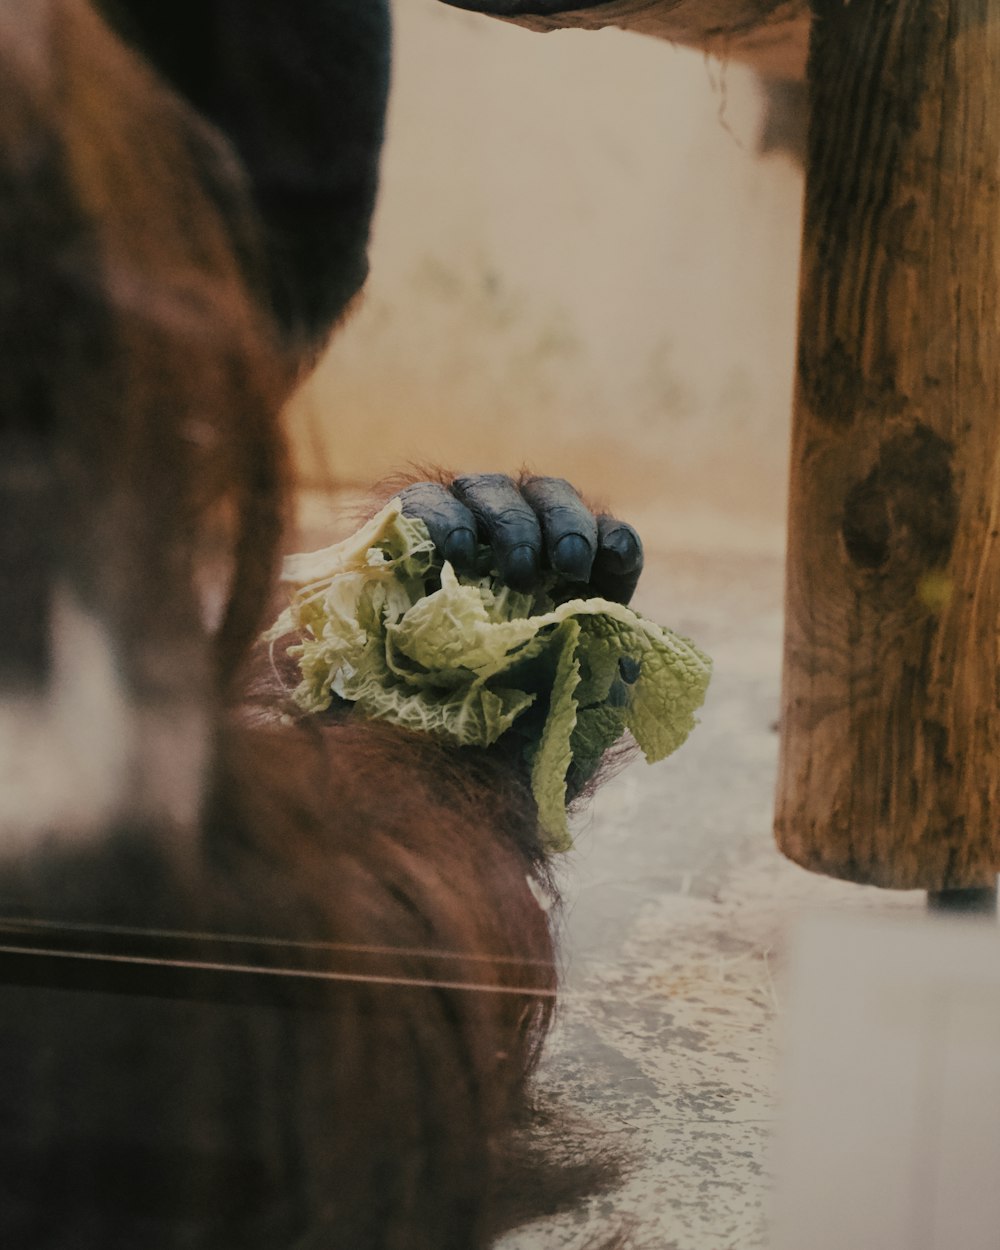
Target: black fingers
[
  {"x": 568, "y": 526},
  {"x": 507, "y": 523},
  {"x": 452, "y": 526},
  {"x": 544, "y": 524},
  {"x": 618, "y": 565}
]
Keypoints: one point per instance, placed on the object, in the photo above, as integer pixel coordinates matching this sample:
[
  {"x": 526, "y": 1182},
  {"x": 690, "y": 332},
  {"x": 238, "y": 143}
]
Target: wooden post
[{"x": 890, "y": 768}]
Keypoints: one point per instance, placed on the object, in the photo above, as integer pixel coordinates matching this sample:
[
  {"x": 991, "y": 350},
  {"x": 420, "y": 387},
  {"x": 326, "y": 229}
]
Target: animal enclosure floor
[
  {"x": 677, "y": 919},
  {"x": 675, "y": 930}
]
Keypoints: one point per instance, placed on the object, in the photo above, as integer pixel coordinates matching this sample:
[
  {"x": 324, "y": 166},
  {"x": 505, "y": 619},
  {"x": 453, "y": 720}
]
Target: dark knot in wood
[
  {"x": 901, "y": 518},
  {"x": 838, "y": 390}
]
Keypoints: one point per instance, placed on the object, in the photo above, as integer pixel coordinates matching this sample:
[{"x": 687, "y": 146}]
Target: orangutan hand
[{"x": 534, "y": 527}]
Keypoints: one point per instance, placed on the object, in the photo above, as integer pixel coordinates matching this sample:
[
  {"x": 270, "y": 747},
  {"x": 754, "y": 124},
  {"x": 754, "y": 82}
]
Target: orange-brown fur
[{"x": 142, "y": 382}]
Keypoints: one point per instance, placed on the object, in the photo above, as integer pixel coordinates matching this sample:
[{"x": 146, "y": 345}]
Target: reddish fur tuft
[{"x": 143, "y": 373}]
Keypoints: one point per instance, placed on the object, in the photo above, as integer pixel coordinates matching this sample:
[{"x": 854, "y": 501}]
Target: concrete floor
[{"x": 678, "y": 914}]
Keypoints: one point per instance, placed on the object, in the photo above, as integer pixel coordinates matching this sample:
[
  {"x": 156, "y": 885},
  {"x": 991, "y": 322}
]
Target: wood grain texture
[
  {"x": 890, "y": 768},
  {"x": 772, "y": 35}
]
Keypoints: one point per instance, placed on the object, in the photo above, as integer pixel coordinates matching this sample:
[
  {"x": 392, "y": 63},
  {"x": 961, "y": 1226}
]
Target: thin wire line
[
  {"x": 357, "y": 978},
  {"x": 245, "y": 939},
  {"x": 192, "y": 965}
]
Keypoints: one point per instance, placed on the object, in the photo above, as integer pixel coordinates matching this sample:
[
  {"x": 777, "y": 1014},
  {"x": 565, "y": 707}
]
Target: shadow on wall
[{"x": 581, "y": 261}]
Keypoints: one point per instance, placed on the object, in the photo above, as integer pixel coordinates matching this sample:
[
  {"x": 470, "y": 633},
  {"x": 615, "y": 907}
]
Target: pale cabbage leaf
[{"x": 382, "y": 624}]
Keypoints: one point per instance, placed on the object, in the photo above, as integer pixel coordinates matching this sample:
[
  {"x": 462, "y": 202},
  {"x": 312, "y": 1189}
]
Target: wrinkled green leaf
[
  {"x": 597, "y": 729},
  {"x": 379, "y": 622},
  {"x": 554, "y": 754}
]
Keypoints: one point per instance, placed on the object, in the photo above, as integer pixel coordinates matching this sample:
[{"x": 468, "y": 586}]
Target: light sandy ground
[{"x": 679, "y": 915}]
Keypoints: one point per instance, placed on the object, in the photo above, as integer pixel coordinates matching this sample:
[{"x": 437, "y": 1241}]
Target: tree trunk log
[{"x": 890, "y": 767}]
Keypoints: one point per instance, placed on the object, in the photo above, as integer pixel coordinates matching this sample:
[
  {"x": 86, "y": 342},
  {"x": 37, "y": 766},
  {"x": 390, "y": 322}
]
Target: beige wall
[{"x": 579, "y": 262}]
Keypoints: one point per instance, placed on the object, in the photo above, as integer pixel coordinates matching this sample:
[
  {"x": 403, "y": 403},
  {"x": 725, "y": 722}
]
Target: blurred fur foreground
[{"x": 142, "y": 467}]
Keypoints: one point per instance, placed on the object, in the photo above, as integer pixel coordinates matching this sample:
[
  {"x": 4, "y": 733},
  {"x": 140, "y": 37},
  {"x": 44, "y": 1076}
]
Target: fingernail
[
  {"x": 629, "y": 669},
  {"x": 622, "y": 546},
  {"x": 521, "y": 567},
  {"x": 460, "y": 549},
  {"x": 573, "y": 556}
]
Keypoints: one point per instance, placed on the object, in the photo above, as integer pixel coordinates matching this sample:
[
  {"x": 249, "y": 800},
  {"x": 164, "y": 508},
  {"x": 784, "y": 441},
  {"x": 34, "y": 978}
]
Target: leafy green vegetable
[
  {"x": 384, "y": 625},
  {"x": 554, "y": 753}
]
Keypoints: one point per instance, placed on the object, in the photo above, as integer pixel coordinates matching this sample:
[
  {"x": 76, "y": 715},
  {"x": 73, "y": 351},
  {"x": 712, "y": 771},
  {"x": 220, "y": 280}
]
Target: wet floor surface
[{"x": 678, "y": 916}]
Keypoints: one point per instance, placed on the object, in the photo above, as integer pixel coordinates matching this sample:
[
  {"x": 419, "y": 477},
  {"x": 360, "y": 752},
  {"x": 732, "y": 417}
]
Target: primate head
[
  {"x": 300, "y": 99},
  {"x": 185, "y": 196},
  {"x": 185, "y": 192}
]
